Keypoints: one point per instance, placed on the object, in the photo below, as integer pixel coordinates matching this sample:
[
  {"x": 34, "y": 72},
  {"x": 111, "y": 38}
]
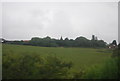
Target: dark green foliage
[
  {"x": 116, "y": 51},
  {"x": 99, "y": 43},
  {"x": 33, "y": 66},
  {"x": 108, "y": 70},
  {"x": 119, "y": 46},
  {"x": 114, "y": 42},
  {"x": 81, "y": 42},
  {"x": 79, "y": 74},
  {"x": 48, "y": 42}
]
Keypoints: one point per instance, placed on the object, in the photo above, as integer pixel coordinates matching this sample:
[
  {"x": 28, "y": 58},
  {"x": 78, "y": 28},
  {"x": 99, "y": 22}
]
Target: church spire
[{"x": 61, "y": 38}]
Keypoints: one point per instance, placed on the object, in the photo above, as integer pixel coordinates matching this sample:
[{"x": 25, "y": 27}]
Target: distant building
[
  {"x": 94, "y": 37},
  {"x": 112, "y": 46},
  {"x": 2, "y": 40}
]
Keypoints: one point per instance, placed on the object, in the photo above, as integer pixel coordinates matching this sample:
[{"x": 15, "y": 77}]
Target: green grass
[
  {"x": 81, "y": 57},
  {"x": 107, "y": 70}
]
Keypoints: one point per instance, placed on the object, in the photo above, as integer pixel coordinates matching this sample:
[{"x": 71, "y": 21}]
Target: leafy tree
[
  {"x": 67, "y": 42},
  {"x": 61, "y": 42},
  {"x": 81, "y": 42},
  {"x": 61, "y": 38},
  {"x": 114, "y": 42}
]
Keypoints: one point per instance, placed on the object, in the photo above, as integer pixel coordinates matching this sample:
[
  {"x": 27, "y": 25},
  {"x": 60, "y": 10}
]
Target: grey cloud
[{"x": 25, "y": 20}]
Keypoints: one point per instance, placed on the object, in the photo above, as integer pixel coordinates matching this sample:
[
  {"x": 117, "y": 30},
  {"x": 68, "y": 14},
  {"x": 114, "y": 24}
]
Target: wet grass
[{"x": 81, "y": 57}]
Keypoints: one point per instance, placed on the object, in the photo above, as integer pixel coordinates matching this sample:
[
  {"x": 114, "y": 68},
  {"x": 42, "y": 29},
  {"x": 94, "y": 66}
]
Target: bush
[
  {"x": 108, "y": 70},
  {"x": 33, "y": 66}
]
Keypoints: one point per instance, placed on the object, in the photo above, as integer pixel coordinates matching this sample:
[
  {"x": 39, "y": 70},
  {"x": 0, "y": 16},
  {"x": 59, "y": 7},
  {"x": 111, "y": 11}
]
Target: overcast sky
[{"x": 67, "y": 19}]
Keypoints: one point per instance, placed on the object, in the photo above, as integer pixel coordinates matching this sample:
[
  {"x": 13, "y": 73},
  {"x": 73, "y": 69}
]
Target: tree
[
  {"x": 61, "y": 42},
  {"x": 66, "y": 39},
  {"x": 35, "y": 41},
  {"x": 114, "y": 42},
  {"x": 67, "y": 42},
  {"x": 61, "y": 38},
  {"x": 81, "y": 42}
]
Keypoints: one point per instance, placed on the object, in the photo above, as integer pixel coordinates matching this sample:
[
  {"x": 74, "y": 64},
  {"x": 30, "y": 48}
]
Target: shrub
[
  {"x": 33, "y": 66},
  {"x": 108, "y": 70}
]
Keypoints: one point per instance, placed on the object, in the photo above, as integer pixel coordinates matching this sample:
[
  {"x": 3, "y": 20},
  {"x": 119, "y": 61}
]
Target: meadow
[{"x": 81, "y": 58}]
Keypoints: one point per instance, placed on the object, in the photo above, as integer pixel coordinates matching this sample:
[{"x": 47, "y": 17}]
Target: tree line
[{"x": 51, "y": 42}]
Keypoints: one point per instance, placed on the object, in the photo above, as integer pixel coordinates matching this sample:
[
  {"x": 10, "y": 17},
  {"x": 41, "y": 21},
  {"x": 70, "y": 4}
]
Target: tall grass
[
  {"x": 82, "y": 59},
  {"x": 107, "y": 70}
]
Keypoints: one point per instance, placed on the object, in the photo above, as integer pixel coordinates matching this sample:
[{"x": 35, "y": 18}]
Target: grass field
[{"x": 81, "y": 57}]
